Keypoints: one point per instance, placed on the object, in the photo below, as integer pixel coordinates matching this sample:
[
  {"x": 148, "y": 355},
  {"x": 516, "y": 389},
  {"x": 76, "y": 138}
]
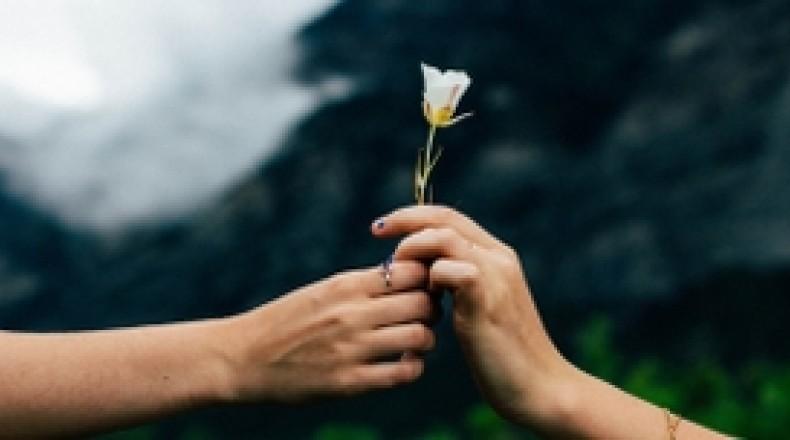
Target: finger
[
  {"x": 404, "y": 275},
  {"x": 396, "y": 308},
  {"x": 415, "y": 218},
  {"x": 453, "y": 275},
  {"x": 385, "y": 374},
  {"x": 396, "y": 339},
  {"x": 430, "y": 244},
  {"x": 459, "y": 277}
]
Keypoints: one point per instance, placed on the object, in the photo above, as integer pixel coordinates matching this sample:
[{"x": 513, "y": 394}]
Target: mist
[{"x": 123, "y": 113}]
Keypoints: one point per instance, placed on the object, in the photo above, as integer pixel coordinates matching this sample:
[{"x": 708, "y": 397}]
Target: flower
[
  {"x": 440, "y": 98},
  {"x": 441, "y": 95}
]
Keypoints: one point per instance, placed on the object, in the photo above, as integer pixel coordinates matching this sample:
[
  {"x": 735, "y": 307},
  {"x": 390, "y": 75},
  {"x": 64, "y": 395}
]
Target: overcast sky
[{"x": 132, "y": 111}]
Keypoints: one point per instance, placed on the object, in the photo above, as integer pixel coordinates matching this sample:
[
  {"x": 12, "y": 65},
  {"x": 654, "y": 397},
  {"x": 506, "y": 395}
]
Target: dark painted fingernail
[
  {"x": 380, "y": 224},
  {"x": 388, "y": 261}
]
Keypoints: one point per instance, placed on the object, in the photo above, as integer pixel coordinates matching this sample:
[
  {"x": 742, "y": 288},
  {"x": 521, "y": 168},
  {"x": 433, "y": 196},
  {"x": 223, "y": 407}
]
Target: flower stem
[{"x": 425, "y": 165}]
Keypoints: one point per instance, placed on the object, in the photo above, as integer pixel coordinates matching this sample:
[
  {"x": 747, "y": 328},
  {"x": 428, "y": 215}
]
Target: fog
[{"x": 120, "y": 113}]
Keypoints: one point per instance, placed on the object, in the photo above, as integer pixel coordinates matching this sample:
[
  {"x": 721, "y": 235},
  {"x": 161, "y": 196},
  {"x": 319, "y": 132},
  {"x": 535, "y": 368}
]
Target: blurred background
[{"x": 190, "y": 159}]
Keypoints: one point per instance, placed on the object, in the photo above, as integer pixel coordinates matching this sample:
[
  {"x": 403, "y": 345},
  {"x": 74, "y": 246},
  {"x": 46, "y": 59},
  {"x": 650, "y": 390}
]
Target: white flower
[{"x": 441, "y": 95}]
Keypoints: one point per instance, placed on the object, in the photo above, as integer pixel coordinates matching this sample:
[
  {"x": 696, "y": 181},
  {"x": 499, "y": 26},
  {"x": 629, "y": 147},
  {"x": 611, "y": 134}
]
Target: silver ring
[{"x": 387, "y": 272}]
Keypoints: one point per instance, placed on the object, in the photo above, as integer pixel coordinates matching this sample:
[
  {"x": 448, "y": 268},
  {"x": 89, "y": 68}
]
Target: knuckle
[
  {"x": 411, "y": 272},
  {"x": 338, "y": 282},
  {"x": 348, "y": 281},
  {"x": 469, "y": 277},
  {"x": 419, "y": 272},
  {"x": 341, "y": 318},
  {"x": 512, "y": 253},
  {"x": 445, "y": 213},
  {"x": 340, "y": 350},
  {"x": 347, "y": 382},
  {"x": 444, "y": 235},
  {"x": 513, "y": 265},
  {"x": 316, "y": 300},
  {"x": 332, "y": 319},
  {"x": 427, "y": 232}
]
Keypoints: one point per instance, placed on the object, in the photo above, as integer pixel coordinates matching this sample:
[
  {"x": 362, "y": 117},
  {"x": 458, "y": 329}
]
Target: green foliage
[
  {"x": 439, "y": 433},
  {"x": 753, "y": 403},
  {"x": 596, "y": 350},
  {"x": 346, "y": 432},
  {"x": 484, "y": 423}
]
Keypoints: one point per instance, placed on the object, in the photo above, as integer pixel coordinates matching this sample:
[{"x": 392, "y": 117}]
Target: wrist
[
  {"x": 554, "y": 400},
  {"x": 222, "y": 351},
  {"x": 242, "y": 345}
]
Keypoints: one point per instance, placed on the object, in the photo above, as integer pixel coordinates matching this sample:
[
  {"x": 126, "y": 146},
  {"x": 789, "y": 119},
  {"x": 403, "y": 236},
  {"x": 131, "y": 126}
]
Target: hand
[
  {"x": 514, "y": 361},
  {"x": 326, "y": 339}
]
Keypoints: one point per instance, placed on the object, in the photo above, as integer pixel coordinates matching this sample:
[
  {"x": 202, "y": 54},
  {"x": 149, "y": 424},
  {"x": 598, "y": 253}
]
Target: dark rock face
[
  {"x": 37, "y": 258},
  {"x": 637, "y": 154}
]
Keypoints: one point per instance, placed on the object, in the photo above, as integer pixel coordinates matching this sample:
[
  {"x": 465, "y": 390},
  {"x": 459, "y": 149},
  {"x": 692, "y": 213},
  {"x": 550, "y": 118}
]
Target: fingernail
[
  {"x": 388, "y": 261},
  {"x": 379, "y": 224}
]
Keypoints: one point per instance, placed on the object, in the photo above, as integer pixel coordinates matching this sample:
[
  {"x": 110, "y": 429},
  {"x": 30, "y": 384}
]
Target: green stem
[
  {"x": 429, "y": 144},
  {"x": 427, "y": 164}
]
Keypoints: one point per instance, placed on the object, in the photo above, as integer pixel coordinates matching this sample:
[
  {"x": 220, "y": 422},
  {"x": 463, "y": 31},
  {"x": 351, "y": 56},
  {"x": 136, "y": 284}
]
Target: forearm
[
  {"x": 76, "y": 383},
  {"x": 587, "y": 407}
]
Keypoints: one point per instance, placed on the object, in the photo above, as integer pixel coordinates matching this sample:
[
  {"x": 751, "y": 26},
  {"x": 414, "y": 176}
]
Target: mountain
[
  {"x": 623, "y": 173},
  {"x": 635, "y": 154}
]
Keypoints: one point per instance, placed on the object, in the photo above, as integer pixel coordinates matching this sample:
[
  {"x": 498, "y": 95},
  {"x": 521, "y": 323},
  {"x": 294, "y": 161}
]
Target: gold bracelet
[{"x": 672, "y": 425}]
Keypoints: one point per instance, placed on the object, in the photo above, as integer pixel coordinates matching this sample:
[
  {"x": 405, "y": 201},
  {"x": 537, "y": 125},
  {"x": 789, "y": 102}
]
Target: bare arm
[
  {"x": 518, "y": 367},
  {"x": 322, "y": 340},
  {"x": 592, "y": 408},
  {"x": 56, "y": 384}
]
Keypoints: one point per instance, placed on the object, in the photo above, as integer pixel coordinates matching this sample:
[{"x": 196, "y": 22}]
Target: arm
[
  {"x": 518, "y": 367},
  {"x": 73, "y": 384},
  {"x": 321, "y": 340}
]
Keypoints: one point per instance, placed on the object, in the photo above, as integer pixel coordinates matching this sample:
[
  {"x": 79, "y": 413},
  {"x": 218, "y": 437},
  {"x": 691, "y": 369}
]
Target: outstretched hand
[
  {"x": 335, "y": 337},
  {"x": 329, "y": 338}
]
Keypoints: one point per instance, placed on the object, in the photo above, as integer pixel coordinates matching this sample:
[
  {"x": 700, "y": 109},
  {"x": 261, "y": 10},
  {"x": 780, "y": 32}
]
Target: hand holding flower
[
  {"x": 516, "y": 364},
  {"x": 498, "y": 325}
]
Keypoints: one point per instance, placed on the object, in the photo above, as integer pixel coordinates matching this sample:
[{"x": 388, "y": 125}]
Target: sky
[{"x": 130, "y": 112}]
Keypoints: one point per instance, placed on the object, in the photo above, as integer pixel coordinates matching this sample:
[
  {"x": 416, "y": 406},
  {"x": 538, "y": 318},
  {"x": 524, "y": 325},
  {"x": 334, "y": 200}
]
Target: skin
[
  {"x": 515, "y": 363},
  {"x": 325, "y": 339}
]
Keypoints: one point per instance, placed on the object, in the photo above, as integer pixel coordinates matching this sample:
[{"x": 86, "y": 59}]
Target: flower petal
[
  {"x": 460, "y": 79},
  {"x": 440, "y": 96},
  {"x": 443, "y": 91},
  {"x": 431, "y": 74}
]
